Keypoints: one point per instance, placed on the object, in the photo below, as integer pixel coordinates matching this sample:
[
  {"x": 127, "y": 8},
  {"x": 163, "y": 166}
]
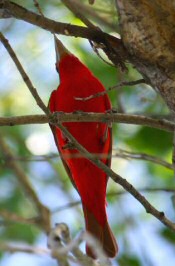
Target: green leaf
[
  {"x": 151, "y": 140},
  {"x": 168, "y": 235},
  {"x": 127, "y": 260},
  {"x": 20, "y": 232}
]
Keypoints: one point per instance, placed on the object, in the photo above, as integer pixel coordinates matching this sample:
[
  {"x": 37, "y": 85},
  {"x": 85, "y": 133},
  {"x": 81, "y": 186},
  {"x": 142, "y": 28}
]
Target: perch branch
[{"x": 60, "y": 117}]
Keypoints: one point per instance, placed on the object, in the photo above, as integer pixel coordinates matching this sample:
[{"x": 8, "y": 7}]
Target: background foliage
[{"x": 142, "y": 239}]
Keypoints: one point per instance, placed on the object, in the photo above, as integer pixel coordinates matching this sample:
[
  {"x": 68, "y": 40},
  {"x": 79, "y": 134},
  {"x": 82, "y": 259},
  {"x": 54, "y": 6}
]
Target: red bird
[{"x": 76, "y": 81}]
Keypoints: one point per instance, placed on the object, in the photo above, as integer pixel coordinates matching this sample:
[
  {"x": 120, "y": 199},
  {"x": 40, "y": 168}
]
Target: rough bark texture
[{"x": 148, "y": 33}]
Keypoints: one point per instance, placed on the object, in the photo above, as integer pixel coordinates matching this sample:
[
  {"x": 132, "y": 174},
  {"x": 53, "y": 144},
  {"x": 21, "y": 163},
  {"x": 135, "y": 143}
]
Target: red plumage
[{"x": 76, "y": 81}]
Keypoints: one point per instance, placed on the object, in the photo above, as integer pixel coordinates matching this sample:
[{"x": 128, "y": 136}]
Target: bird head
[{"x": 67, "y": 64}]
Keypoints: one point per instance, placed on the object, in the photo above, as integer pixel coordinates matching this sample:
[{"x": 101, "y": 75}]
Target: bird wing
[{"x": 53, "y": 128}]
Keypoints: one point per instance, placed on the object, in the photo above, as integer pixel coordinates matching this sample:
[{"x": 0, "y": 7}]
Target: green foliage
[
  {"x": 129, "y": 260},
  {"x": 167, "y": 234},
  {"x": 20, "y": 232},
  {"x": 151, "y": 141}
]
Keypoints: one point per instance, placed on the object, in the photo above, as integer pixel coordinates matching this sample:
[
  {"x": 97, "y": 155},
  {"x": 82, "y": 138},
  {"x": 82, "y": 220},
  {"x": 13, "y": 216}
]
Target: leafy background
[{"x": 142, "y": 239}]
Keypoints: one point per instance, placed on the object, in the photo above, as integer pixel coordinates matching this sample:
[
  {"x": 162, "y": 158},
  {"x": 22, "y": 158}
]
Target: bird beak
[{"x": 60, "y": 50}]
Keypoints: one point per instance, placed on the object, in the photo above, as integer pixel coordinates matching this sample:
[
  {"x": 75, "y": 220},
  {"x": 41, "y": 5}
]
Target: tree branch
[
  {"x": 79, "y": 9},
  {"x": 36, "y": 4},
  {"x": 11, "y": 9},
  {"x": 118, "y": 179},
  {"x": 114, "y": 194},
  {"x": 119, "y": 153},
  {"x": 13, "y": 217},
  {"x": 44, "y": 212},
  {"x": 113, "y": 46},
  {"x": 27, "y": 249},
  {"x": 115, "y": 87},
  {"x": 59, "y": 117},
  {"x": 61, "y": 244},
  {"x": 142, "y": 156},
  {"x": 148, "y": 39},
  {"x": 23, "y": 74}
]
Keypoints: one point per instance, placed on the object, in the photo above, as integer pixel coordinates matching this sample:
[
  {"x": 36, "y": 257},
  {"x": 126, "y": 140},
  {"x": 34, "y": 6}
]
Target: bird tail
[{"x": 102, "y": 233}]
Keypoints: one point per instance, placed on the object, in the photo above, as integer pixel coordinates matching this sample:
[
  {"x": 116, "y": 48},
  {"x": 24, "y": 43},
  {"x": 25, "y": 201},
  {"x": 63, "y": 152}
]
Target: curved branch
[
  {"x": 10, "y": 9},
  {"x": 142, "y": 156},
  {"x": 119, "y": 180},
  {"x": 23, "y": 74},
  {"x": 113, "y": 46}
]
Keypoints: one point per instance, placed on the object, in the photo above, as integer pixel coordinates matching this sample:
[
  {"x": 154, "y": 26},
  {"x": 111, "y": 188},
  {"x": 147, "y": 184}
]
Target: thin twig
[
  {"x": 24, "y": 181},
  {"x": 13, "y": 217},
  {"x": 118, "y": 179},
  {"x": 77, "y": 8},
  {"x": 101, "y": 15},
  {"x": 8, "y": 247},
  {"x": 114, "y": 194},
  {"x": 119, "y": 153},
  {"x": 61, "y": 244},
  {"x": 121, "y": 84},
  {"x": 142, "y": 156},
  {"x": 77, "y": 11},
  {"x": 25, "y": 77},
  {"x": 38, "y": 7}
]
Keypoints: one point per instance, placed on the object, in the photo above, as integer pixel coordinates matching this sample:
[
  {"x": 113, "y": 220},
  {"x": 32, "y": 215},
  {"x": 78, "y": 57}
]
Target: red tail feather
[{"x": 102, "y": 233}]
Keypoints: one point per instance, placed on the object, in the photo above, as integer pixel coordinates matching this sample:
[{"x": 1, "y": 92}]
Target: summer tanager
[{"x": 76, "y": 81}]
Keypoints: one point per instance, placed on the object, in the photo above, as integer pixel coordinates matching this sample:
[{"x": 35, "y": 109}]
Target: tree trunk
[{"x": 148, "y": 33}]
